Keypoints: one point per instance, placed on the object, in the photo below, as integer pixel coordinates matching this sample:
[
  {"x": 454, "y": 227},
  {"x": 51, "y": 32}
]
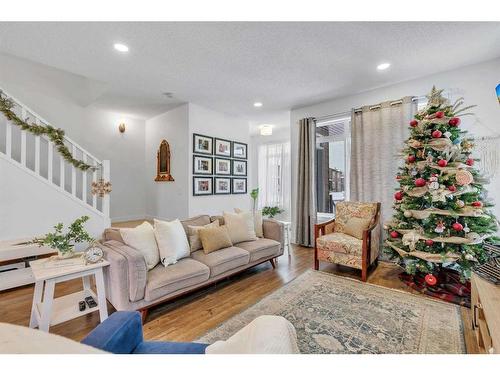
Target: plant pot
[{"x": 65, "y": 254}]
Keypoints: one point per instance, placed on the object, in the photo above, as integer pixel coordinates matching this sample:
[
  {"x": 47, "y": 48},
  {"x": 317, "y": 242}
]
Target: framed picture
[
  {"x": 222, "y": 185},
  {"x": 222, "y": 166},
  {"x": 202, "y": 185},
  {"x": 239, "y": 167},
  {"x": 239, "y": 150},
  {"x": 202, "y": 144},
  {"x": 202, "y": 164},
  {"x": 222, "y": 147},
  {"x": 239, "y": 186}
]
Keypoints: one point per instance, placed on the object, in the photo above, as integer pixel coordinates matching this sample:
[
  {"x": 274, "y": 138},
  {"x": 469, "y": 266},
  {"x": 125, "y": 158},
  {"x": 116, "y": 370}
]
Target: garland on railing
[{"x": 55, "y": 135}]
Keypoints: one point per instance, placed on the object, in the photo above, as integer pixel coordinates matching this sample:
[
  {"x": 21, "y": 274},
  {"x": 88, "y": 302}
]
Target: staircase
[{"x": 38, "y": 188}]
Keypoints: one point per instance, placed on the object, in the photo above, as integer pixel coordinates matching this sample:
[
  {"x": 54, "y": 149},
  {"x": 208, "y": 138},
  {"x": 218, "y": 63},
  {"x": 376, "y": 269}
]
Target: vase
[{"x": 65, "y": 254}]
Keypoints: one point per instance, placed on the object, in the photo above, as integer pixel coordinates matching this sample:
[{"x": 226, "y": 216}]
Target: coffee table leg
[
  {"x": 101, "y": 294},
  {"x": 37, "y": 298},
  {"x": 48, "y": 299}
]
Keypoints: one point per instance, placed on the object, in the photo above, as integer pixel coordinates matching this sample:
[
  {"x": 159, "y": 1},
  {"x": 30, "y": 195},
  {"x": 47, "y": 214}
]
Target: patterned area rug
[{"x": 334, "y": 314}]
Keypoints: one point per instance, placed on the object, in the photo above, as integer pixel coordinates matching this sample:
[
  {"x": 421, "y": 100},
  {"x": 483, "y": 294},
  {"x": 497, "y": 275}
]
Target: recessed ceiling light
[
  {"x": 120, "y": 47},
  {"x": 383, "y": 66},
  {"x": 257, "y": 104}
]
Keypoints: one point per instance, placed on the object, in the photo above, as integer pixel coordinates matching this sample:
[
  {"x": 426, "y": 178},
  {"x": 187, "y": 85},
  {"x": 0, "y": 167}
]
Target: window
[
  {"x": 274, "y": 175},
  {"x": 332, "y": 164}
]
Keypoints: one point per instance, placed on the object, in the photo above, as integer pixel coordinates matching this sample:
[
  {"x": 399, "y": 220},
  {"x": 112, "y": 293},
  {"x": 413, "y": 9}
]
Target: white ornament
[
  {"x": 447, "y": 134},
  {"x": 460, "y": 203},
  {"x": 407, "y": 214},
  {"x": 434, "y": 185}
]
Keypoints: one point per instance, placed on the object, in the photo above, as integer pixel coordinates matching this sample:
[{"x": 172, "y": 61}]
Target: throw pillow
[
  {"x": 172, "y": 241},
  {"x": 355, "y": 227},
  {"x": 214, "y": 238},
  {"x": 257, "y": 221},
  {"x": 193, "y": 234},
  {"x": 240, "y": 226},
  {"x": 142, "y": 238}
]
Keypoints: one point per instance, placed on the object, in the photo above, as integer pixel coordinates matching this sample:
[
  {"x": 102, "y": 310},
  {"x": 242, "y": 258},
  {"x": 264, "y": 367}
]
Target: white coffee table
[{"x": 49, "y": 311}]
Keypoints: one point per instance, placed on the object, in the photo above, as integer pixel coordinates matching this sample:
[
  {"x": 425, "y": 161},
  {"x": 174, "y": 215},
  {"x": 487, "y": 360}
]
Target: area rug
[{"x": 334, "y": 314}]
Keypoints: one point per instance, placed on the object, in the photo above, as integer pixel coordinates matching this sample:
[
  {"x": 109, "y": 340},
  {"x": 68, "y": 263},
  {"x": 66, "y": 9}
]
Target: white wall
[
  {"x": 62, "y": 99},
  {"x": 168, "y": 200},
  {"x": 216, "y": 124},
  {"x": 476, "y": 83}
]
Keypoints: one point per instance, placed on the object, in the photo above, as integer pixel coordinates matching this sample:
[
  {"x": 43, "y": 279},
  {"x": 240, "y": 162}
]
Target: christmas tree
[{"x": 441, "y": 214}]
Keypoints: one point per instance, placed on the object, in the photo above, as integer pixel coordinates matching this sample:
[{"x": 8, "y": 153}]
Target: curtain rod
[{"x": 346, "y": 113}]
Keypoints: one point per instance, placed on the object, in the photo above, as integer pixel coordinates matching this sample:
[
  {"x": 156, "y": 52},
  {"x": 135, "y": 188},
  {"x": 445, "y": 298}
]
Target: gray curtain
[
  {"x": 377, "y": 137},
  {"x": 306, "y": 184}
]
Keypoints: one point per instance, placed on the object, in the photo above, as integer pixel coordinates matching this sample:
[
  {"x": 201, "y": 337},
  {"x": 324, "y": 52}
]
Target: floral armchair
[{"x": 351, "y": 239}]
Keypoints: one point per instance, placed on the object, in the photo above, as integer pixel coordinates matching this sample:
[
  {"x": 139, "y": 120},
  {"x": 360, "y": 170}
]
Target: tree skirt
[
  {"x": 334, "y": 314},
  {"x": 448, "y": 286}
]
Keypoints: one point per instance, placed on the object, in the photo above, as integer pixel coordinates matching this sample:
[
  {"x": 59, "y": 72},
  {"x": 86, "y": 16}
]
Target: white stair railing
[{"x": 43, "y": 164}]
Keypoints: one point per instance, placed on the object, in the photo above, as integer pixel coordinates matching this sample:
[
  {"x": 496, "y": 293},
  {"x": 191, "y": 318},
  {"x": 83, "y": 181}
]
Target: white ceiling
[{"x": 228, "y": 66}]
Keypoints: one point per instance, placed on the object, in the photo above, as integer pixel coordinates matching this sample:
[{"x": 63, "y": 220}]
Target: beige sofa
[{"x": 130, "y": 286}]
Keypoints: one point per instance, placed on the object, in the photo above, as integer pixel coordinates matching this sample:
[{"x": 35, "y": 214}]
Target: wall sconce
[
  {"x": 121, "y": 127},
  {"x": 266, "y": 130}
]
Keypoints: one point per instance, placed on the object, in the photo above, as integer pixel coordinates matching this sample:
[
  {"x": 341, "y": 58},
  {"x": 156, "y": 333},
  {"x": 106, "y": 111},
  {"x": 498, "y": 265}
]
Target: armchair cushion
[
  {"x": 356, "y": 226},
  {"x": 347, "y": 210},
  {"x": 339, "y": 243}
]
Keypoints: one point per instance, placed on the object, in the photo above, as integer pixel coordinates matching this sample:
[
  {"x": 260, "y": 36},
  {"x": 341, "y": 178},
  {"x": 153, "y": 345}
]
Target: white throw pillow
[
  {"x": 172, "y": 241},
  {"x": 257, "y": 221},
  {"x": 142, "y": 238},
  {"x": 240, "y": 226}
]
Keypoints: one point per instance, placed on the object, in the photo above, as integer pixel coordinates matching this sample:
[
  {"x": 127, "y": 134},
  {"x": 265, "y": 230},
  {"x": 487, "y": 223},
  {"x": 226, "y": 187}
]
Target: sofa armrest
[
  {"x": 274, "y": 230},
  {"x": 126, "y": 275},
  {"x": 121, "y": 333}
]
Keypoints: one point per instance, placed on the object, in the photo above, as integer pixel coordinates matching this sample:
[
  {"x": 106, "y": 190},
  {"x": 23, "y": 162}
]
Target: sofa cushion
[
  {"x": 185, "y": 273},
  {"x": 261, "y": 248},
  {"x": 214, "y": 239},
  {"x": 223, "y": 260},
  {"x": 142, "y": 238},
  {"x": 198, "y": 221},
  {"x": 112, "y": 234},
  {"x": 194, "y": 237}
]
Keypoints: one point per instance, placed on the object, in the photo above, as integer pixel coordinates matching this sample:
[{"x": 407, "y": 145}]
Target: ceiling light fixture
[
  {"x": 120, "y": 47},
  {"x": 257, "y": 104},
  {"x": 266, "y": 130},
  {"x": 383, "y": 66}
]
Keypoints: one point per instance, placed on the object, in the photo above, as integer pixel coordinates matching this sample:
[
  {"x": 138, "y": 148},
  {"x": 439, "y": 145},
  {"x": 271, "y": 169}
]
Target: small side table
[
  {"x": 50, "y": 311},
  {"x": 287, "y": 235}
]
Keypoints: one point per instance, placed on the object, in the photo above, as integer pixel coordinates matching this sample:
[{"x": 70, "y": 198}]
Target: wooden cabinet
[{"x": 485, "y": 304}]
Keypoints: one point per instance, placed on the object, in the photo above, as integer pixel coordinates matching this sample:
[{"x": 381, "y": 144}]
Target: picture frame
[
  {"x": 239, "y": 168},
  {"x": 240, "y": 150},
  {"x": 239, "y": 186},
  {"x": 202, "y": 185},
  {"x": 222, "y": 185},
  {"x": 222, "y": 147},
  {"x": 202, "y": 165},
  {"x": 202, "y": 144},
  {"x": 222, "y": 167}
]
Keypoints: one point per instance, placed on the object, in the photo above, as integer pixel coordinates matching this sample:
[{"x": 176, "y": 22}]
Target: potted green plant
[
  {"x": 271, "y": 211},
  {"x": 64, "y": 243},
  {"x": 254, "y": 194}
]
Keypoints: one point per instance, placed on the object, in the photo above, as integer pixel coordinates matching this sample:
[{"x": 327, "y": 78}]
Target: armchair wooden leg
[
  {"x": 364, "y": 273},
  {"x": 273, "y": 263},
  {"x": 316, "y": 264},
  {"x": 144, "y": 315}
]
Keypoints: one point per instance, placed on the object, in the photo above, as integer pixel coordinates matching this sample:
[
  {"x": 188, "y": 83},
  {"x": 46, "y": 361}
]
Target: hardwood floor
[{"x": 190, "y": 317}]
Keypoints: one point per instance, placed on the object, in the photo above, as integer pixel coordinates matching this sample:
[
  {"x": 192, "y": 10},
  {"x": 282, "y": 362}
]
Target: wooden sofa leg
[
  {"x": 273, "y": 263},
  {"x": 144, "y": 315}
]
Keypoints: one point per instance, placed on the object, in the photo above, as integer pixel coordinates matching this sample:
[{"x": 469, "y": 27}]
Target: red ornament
[
  {"x": 411, "y": 158},
  {"x": 469, "y": 162},
  {"x": 398, "y": 196},
  {"x": 430, "y": 279},
  {"x": 477, "y": 204},
  {"x": 440, "y": 114},
  {"x": 455, "y": 121},
  {"x": 413, "y": 123},
  {"x": 452, "y": 188},
  {"x": 442, "y": 163},
  {"x": 398, "y": 177},
  {"x": 429, "y": 242},
  {"x": 457, "y": 226},
  {"x": 436, "y": 134},
  {"x": 419, "y": 182},
  {"x": 394, "y": 234}
]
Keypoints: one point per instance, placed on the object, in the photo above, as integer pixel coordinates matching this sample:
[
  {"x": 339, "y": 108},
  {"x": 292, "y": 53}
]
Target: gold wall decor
[{"x": 163, "y": 163}]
